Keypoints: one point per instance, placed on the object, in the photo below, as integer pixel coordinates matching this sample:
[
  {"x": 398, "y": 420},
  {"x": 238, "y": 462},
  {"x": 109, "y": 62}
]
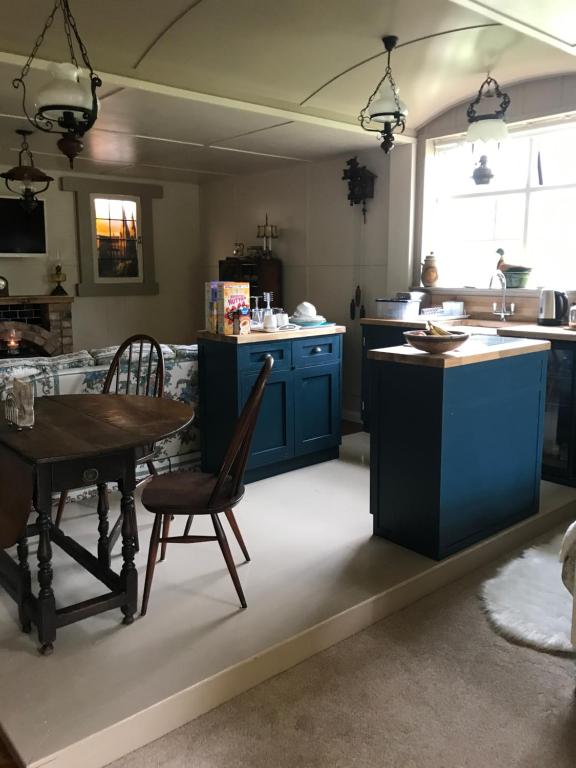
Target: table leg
[
  {"x": 25, "y": 584},
  {"x": 46, "y": 604},
  {"x": 103, "y": 541},
  {"x": 129, "y": 573}
]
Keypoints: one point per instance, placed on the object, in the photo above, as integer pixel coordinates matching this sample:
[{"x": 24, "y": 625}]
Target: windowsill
[{"x": 489, "y": 292}]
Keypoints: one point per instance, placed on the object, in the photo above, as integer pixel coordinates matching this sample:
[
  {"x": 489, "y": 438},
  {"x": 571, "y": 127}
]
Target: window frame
[
  {"x": 527, "y": 190},
  {"x": 95, "y": 252}
]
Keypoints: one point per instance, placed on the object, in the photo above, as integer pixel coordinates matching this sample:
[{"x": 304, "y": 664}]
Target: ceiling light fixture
[
  {"x": 25, "y": 180},
  {"x": 384, "y": 105},
  {"x": 68, "y": 103},
  {"x": 491, "y": 125}
]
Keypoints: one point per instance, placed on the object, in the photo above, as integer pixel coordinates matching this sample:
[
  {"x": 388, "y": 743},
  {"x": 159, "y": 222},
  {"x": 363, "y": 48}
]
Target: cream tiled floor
[{"x": 316, "y": 576}]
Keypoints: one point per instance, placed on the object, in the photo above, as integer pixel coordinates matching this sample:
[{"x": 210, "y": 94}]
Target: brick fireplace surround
[{"x": 44, "y": 321}]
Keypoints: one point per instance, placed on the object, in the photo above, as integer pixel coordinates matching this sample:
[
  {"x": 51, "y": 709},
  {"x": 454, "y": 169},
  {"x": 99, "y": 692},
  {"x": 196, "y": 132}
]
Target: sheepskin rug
[{"x": 528, "y": 602}]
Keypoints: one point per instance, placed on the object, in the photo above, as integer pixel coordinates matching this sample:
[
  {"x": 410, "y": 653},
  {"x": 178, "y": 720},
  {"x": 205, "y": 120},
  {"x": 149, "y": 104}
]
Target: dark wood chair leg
[
  {"x": 222, "y": 540},
  {"x": 61, "y": 505},
  {"x": 152, "y": 553},
  {"x": 234, "y": 525},
  {"x": 165, "y": 534},
  {"x": 151, "y": 468},
  {"x": 188, "y": 525}
]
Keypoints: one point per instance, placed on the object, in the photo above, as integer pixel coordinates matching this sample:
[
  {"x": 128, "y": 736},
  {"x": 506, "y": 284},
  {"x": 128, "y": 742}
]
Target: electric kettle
[{"x": 553, "y": 307}]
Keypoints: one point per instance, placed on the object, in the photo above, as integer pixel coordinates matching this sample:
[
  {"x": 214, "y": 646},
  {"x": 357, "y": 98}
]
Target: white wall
[
  {"x": 325, "y": 246},
  {"x": 171, "y": 316}
]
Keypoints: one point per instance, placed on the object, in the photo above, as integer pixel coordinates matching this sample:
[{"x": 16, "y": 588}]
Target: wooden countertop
[
  {"x": 533, "y": 331},
  {"x": 469, "y": 353},
  {"x": 416, "y": 324},
  {"x": 260, "y": 336}
]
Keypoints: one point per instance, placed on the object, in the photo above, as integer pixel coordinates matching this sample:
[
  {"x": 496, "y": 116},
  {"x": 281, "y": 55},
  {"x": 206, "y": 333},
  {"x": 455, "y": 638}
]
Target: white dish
[{"x": 307, "y": 320}]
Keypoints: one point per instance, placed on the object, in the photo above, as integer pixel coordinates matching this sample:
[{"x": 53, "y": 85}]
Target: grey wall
[{"x": 324, "y": 244}]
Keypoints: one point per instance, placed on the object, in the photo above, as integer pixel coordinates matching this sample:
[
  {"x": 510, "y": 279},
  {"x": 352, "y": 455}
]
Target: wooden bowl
[{"x": 436, "y": 345}]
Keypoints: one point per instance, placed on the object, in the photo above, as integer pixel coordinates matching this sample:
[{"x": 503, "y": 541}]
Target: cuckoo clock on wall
[{"x": 360, "y": 183}]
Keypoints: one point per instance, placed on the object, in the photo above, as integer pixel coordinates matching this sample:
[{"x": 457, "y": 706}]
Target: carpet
[
  {"x": 429, "y": 687},
  {"x": 528, "y": 602}
]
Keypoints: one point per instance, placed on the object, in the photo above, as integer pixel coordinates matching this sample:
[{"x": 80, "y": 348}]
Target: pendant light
[
  {"x": 384, "y": 105},
  {"x": 489, "y": 126},
  {"x": 67, "y": 104},
  {"x": 25, "y": 180}
]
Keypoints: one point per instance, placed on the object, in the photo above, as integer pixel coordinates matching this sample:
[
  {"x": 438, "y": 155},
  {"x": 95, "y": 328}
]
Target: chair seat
[{"x": 188, "y": 493}]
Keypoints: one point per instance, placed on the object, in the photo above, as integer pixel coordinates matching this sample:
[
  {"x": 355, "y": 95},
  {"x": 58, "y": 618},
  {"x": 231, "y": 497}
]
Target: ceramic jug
[{"x": 429, "y": 271}]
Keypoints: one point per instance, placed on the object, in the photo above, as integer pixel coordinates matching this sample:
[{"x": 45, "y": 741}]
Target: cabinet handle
[
  {"x": 316, "y": 350},
  {"x": 269, "y": 357}
]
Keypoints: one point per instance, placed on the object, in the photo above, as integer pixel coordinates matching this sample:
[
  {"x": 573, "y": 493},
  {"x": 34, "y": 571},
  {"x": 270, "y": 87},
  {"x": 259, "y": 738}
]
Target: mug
[
  {"x": 281, "y": 319},
  {"x": 269, "y": 322}
]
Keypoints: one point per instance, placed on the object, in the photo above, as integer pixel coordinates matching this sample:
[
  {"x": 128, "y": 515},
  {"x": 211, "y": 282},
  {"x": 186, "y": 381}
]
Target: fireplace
[{"x": 32, "y": 326}]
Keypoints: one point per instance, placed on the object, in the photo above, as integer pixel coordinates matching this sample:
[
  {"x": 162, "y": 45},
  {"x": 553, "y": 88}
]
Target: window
[
  {"x": 528, "y": 209},
  {"x": 117, "y": 241}
]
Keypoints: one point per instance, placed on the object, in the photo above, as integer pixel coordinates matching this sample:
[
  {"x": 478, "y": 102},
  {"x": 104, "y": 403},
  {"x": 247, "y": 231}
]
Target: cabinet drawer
[
  {"x": 252, "y": 356},
  {"x": 316, "y": 350}
]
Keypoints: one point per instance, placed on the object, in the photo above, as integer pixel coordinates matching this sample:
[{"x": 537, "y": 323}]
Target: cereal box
[{"x": 233, "y": 300}]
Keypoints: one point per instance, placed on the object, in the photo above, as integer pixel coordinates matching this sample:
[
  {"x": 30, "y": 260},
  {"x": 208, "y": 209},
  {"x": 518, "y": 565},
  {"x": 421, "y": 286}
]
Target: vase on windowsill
[{"x": 429, "y": 276}]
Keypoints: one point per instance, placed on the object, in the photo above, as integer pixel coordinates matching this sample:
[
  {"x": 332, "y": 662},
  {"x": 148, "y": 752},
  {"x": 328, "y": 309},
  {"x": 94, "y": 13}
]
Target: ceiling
[{"x": 198, "y": 90}]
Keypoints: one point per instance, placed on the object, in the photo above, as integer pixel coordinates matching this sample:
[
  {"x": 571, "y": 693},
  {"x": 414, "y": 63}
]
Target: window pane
[
  {"x": 557, "y": 158},
  {"x": 101, "y": 208},
  {"x": 103, "y": 227},
  {"x": 551, "y": 237}
]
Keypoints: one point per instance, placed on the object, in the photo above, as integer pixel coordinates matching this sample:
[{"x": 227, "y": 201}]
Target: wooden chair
[
  {"x": 129, "y": 360},
  {"x": 201, "y": 493}
]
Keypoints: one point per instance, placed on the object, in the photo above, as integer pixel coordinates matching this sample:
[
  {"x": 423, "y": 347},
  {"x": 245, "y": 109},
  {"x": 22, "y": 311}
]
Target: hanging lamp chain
[
  {"x": 37, "y": 44},
  {"x": 365, "y": 119}
]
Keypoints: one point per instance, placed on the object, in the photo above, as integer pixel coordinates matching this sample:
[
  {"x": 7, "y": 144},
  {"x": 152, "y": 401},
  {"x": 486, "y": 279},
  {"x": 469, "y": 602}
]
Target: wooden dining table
[{"x": 76, "y": 441}]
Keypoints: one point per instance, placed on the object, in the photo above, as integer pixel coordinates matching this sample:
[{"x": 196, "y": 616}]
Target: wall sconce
[
  {"x": 360, "y": 183},
  {"x": 68, "y": 104},
  {"x": 25, "y": 180},
  {"x": 384, "y": 106},
  {"x": 267, "y": 232},
  {"x": 491, "y": 125}
]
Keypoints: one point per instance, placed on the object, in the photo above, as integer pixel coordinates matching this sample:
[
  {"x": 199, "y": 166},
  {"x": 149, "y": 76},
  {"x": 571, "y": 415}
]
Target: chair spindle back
[
  {"x": 141, "y": 356},
  {"x": 236, "y": 457}
]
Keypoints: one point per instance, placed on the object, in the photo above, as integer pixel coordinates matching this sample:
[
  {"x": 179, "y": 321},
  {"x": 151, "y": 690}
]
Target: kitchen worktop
[
  {"x": 472, "y": 351},
  {"x": 534, "y": 331},
  {"x": 256, "y": 336},
  {"x": 420, "y": 323}
]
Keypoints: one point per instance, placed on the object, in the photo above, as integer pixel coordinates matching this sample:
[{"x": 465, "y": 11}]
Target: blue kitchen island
[
  {"x": 299, "y": 420},
  {"x": 456, "y": 441}
]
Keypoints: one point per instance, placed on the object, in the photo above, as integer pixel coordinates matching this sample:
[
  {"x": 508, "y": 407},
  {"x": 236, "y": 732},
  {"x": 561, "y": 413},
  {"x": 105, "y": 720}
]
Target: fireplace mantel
[{"x": 36, "y": 299}]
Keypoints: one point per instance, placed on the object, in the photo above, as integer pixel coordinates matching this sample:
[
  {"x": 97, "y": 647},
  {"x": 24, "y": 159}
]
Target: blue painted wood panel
[
  {"x": 455, "y": 454},
  {"x": 251, "y": 356},
  {"x": 273, "y": 439},
  {"x": 317, "y": 408},
  {"x": 321, "y": 350}
]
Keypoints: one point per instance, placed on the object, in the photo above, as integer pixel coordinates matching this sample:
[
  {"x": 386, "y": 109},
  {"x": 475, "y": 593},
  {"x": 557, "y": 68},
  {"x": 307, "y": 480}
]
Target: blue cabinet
[
  {"x": 299, "y": 420},
  {"x": 375, "y": 337},
  {"x": 455, "y": 453}
]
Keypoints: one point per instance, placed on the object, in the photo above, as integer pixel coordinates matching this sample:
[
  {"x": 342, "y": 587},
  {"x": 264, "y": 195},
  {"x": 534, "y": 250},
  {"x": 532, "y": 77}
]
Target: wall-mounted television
[{"x": 22, "y": 233}]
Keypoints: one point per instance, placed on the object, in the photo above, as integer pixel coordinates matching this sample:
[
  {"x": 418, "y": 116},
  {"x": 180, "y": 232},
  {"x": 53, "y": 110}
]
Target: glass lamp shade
[
  {"x": 66, "y": 92},
  {"x": 26, "y": 177},
  {"x": 488, "y": 129},
  {"x": 384, "y": 105}
]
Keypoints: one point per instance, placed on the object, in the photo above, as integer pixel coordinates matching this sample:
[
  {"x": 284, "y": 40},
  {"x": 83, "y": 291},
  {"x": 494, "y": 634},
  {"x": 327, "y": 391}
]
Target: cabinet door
[
  {"x": 274, "y": 434},
  {"x": 316, "y": 408},
  {"x": 559, "y": 417}
]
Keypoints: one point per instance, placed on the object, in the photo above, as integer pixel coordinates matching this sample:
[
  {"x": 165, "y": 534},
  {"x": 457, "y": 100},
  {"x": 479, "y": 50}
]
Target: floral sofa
[{"x": 84, "y": 373}]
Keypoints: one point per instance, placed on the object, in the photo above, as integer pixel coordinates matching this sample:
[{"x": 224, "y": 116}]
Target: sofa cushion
[
  {"x": 82, "y": 359},
  {"x": 105, "y": 355},
  {"x": 185, "y": 351}
]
